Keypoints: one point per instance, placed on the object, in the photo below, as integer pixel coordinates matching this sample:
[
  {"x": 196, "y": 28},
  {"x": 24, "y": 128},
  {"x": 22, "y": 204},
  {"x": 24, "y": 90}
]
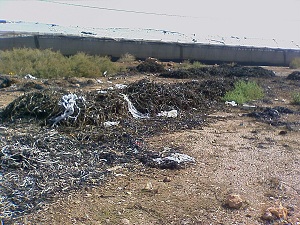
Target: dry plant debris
[
  {"x": 222, "y": 70},
  {"x": 275, "y": 212}
]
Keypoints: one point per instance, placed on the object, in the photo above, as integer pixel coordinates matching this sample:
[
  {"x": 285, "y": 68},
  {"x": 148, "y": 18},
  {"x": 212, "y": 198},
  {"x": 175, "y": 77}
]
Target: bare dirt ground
[{"x": 234, "y": 155}]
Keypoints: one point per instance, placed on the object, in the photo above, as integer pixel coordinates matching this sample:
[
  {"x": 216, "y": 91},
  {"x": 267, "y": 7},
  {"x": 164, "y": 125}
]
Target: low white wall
[{"x": 69, "y": 45}]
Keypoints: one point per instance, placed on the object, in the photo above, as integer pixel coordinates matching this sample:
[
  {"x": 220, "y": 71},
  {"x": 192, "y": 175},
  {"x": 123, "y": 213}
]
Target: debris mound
[
  {"x": 38, "y": 105},
  {"x": 294, "y": 76},
  {"x": 271, "y": 115},
  {"x": 222, "y": 70},
  {"x": 152, "y": 98},
  {"x": 98, "y": 107},
  {"x": 6, "y": 81},
  {"x": 97, "y": 133},
  {"x": 150, "y": 65},
  {"x": 168, "y": 159}
]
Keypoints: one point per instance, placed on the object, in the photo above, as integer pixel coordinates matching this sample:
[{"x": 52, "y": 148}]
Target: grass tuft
[{"x": 244, "y": 92}]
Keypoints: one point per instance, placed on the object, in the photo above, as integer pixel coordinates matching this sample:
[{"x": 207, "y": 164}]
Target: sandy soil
[{"x": 234, "y": 155}]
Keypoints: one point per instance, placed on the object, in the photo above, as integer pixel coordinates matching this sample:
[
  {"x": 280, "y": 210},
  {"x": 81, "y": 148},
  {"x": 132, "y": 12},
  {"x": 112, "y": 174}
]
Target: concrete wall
[{"x": 69, "y": 45}]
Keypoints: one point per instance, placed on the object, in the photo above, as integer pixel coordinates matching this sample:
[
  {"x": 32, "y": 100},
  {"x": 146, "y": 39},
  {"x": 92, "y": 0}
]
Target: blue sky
[{"x": 255, "y": 18}]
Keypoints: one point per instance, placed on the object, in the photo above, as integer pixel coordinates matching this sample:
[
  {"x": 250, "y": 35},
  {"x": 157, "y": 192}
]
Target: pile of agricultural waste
[
  {"x": 294, "y": 76},
  {"x": 38, "y": 162},
  {"x": 273, "y": 116},
  {"x": 222, "y": 70},
  {"x": 150, "y": 65},
  {"x": 96, "y": 107}
]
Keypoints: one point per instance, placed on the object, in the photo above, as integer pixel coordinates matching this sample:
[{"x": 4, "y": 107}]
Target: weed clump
[
  {"x": 126, "y": 58},
  {"x": 186, "y": 64},
  {"x": 296, "y": 98},
  {"x": 244, "y": 92},
  {"x": 83, "y": 65}
]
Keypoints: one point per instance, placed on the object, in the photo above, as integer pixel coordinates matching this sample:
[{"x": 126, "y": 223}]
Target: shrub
[
  {"x": 186, "y": 64},
  {"x": 244, "y": 92},
  {"x": 296, "y": 98},
  {"x": 126, "y": 58},
  {"x": 83, "y": 65},
  {"x": 51, "y": 64},
  {"x": 295, "y": 63}
]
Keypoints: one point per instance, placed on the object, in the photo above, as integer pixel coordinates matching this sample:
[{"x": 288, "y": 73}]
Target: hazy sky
[{"x": 252, "y": 18}]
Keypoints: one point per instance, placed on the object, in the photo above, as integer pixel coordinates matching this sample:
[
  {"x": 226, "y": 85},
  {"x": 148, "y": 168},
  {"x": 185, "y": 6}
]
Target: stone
[
  {"x": 125, "y": 221},
  {"x": 234, "y": 201},
  {"x": 167, "y": 179}
]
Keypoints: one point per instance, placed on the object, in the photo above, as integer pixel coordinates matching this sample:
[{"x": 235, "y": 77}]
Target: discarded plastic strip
[
  {"x": 232, "y": 103},
  {"x": 68, "y": 102},
  {"x": 176, "y": 157},
  {"x": 172, "y": 113},
  {"x": 133, "y": 110},
  {"x": 121, "y": 86},
  {"x": 248, "y": 106},
  {"x": 29, "y": 76},
  {"x": 110, "y": 123}
]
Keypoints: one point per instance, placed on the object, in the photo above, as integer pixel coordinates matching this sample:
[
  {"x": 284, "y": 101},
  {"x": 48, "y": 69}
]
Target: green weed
[
  {"x": 296, "y": 98},
  {"x": 244, "y": 92}
]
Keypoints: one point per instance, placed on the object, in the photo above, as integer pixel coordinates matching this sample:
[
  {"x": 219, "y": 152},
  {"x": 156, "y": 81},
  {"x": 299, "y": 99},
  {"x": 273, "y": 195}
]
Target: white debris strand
[
  {"x": 30, "y": 77},
  {"x": 136, "y": 114},
  {"x": 121, "y": 86},
  {"x": 176, "y": 157},
  {"x": 232, "y": 103},
  {"x": 169, "y": 114},
  {"x": 110, "y": 123},
  {"x": 68, "y": 102}
]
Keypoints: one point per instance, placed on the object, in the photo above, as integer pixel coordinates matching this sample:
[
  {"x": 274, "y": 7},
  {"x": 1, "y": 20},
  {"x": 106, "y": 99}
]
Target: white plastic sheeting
[
  {"x": 173, "y": 113},
  {"x": 232, "y": 103},
  {"x": 121, "y": 86},
  {"x": 111, "y": 123},
  {"x": 69, "y": 103},
  {"x": 134, "y": 112},
  {"x": 30, "y": 77},
  {"x": 176, "y": 157}
]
